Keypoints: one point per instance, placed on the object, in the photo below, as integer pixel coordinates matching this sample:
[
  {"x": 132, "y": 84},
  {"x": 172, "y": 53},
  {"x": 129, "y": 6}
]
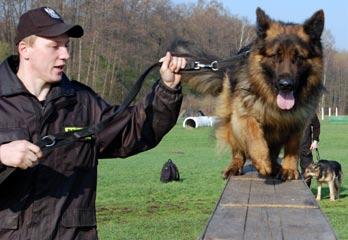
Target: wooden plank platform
[{"x": 251, "y": 208}]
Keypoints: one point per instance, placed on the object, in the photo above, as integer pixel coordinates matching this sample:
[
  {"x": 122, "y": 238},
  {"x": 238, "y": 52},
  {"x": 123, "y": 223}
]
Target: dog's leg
[
  {"x": 332, "y": 190},
  {"x": 337, "y": 188},
  {"x": 289, "y": 165},
  {"x": 274, "y": 155},
  {"x": 236, "y": 165},
  {"x": 339, "y": 183},
  {"x": 319, "y": 191},
  {"x": 257, "y": 147}
]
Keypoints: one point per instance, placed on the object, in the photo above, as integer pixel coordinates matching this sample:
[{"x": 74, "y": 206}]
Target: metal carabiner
[
  {"x": 198, "y": 65},
  {"x": 48, "y": 140},
  {"x": 212, "y": 65}
]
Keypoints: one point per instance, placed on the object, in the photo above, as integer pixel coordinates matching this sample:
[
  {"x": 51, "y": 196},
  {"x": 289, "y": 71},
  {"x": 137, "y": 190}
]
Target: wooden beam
[{"x": 251, "y": 207}]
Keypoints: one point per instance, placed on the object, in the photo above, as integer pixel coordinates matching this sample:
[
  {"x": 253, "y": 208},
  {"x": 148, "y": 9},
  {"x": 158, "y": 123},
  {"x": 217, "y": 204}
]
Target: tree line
[{"x": 123, "y": 37}]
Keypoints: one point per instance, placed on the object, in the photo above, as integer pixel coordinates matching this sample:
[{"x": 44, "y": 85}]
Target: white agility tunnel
[{"x": 202, "y": 121}]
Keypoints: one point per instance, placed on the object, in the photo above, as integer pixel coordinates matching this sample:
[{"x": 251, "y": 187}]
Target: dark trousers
[{"x": 305, "y": 161}]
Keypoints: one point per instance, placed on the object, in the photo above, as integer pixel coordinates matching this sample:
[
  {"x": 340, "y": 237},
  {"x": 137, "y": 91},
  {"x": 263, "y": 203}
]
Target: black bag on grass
[{"x": 169, "y": 172}]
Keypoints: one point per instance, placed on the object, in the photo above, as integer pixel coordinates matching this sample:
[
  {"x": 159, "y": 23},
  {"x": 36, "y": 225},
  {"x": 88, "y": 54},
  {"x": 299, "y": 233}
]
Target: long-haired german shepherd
[{"x": 266, "y": 94}]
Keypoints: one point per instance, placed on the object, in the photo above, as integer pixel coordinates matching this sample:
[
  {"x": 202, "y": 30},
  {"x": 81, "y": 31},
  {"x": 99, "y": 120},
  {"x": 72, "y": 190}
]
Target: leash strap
[
  {"x": 216, "y": 65},
  {"x": 5, "y": 172},
  {"x": 317, "y": 154},
  {"x": 52, "y": 141}
]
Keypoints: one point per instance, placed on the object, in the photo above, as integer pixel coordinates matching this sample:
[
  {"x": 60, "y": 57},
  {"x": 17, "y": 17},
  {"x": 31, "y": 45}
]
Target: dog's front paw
[
  {"x": 264, "y": 169},
  {"x": 288, "y": 174},
  {"x": 231, "y": 171},
  {"x": 318, "y": 198}
]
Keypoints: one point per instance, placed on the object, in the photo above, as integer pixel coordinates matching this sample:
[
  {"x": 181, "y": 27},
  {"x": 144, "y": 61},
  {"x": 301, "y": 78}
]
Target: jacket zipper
[
  {"x": 54, "y": 108},
  {"x": 39, "y": 113},
  {"x": 42, "y": 116}
]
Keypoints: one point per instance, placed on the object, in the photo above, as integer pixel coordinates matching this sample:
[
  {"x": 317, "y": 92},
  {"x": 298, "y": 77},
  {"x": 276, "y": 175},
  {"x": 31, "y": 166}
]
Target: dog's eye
[
  {"x": 276, "y": 57},
  {"x": 299, "y": 58}
]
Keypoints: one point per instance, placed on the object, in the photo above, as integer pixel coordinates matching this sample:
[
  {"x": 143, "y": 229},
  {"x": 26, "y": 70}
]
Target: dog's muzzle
[
  {"x": 285, "y": 96},
  {"x": 286, "y": 84}
]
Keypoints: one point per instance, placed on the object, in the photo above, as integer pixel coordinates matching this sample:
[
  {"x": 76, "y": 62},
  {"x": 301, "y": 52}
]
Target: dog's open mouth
[{"x": 285, "y": 100}]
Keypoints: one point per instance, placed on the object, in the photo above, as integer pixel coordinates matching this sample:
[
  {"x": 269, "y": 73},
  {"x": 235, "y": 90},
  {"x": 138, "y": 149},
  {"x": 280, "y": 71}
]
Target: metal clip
[
  {"x": 212, "y": 65},
  {"x": 49, "y": 140}
]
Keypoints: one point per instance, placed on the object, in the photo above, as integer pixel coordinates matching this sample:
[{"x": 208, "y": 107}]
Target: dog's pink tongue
[{"x": 285, "y": 100}]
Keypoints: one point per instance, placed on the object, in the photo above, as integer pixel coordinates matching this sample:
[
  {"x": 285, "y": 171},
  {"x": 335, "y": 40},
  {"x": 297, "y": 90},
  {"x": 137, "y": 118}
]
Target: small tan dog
[{"x": 329, "y": 172}]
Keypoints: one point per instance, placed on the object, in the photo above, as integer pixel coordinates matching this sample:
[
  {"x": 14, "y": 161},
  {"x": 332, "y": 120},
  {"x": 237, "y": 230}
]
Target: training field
[{"x": 133, "y": 204}]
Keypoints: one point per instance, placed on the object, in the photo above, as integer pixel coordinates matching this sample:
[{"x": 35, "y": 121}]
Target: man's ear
[{"x": 23, "y": 49}]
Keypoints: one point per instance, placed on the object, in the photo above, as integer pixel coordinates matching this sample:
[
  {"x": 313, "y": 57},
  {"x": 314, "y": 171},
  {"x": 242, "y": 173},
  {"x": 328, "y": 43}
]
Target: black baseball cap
[{"x": 45, "y": 22}]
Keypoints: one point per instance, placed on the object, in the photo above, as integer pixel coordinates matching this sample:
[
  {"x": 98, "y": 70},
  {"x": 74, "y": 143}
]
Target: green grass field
[{"x": 133, "y": 204}]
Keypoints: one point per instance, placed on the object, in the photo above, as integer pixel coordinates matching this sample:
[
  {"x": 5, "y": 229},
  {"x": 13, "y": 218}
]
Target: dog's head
[
  {"x": 289, "y": 57},
  {"x": 313, "y": 170}
]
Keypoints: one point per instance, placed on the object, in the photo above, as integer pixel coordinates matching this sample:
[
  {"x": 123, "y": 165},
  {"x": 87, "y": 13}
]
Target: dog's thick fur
[
  {"x": 326, "y": 171},
  {"x": 266, "y": 94}
]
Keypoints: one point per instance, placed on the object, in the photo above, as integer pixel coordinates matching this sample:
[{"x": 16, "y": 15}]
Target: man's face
[{"x": 47, "y": 58}]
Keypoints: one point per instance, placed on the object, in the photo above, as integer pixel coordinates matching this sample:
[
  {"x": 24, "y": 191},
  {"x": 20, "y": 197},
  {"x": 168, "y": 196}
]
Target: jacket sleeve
[
  {"x": 142, "y": 126},
  {"x": 316, "y": 127}
]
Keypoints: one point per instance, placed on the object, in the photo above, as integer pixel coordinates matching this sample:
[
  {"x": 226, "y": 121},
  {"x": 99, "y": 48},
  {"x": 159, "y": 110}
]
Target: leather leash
[{"x": 317, "y": 154}]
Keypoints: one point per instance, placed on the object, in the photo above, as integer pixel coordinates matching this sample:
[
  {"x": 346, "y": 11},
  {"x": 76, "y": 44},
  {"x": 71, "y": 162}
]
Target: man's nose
[{"x": 64, "y": 54}]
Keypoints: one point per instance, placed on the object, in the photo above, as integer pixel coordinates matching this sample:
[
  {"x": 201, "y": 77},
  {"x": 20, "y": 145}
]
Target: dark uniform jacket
[{"x": 56, "y": 199}]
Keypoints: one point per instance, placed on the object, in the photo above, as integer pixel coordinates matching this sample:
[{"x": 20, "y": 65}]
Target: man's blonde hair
[{"x": 30, "y": 40}]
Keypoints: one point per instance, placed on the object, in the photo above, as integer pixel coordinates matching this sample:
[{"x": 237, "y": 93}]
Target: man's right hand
[{"x": 20, "y": 153}]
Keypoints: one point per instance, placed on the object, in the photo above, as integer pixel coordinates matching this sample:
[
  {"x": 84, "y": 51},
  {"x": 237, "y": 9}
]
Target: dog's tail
[
  {"x": 338, "y": 172},
  {"x": 340, "y": 176},
  {"x": 204, "y": 81}
]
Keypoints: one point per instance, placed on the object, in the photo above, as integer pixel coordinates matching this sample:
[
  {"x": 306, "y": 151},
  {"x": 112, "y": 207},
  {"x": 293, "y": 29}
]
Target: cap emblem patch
[{"x": 52, "y": 13}]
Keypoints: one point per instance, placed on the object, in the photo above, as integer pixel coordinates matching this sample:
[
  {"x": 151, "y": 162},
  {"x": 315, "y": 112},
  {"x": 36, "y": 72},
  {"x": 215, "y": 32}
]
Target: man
[
  {"x": 309, "y": 143},
  {"x": 51, "y": 195}
]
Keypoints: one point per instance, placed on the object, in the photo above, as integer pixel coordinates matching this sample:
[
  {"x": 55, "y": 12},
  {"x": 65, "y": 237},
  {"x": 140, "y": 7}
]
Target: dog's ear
[
  {"x": 262, "y": 23},
  {"x": 316, "y": 166},
  {"x": 314, "y": 26}
]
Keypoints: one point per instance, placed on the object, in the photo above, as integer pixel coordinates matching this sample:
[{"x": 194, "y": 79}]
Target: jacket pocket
[
  {"x": 12, "y": 134},
  {"x": 82, "y": 217},
  {"x": 9, "y": 219}
]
